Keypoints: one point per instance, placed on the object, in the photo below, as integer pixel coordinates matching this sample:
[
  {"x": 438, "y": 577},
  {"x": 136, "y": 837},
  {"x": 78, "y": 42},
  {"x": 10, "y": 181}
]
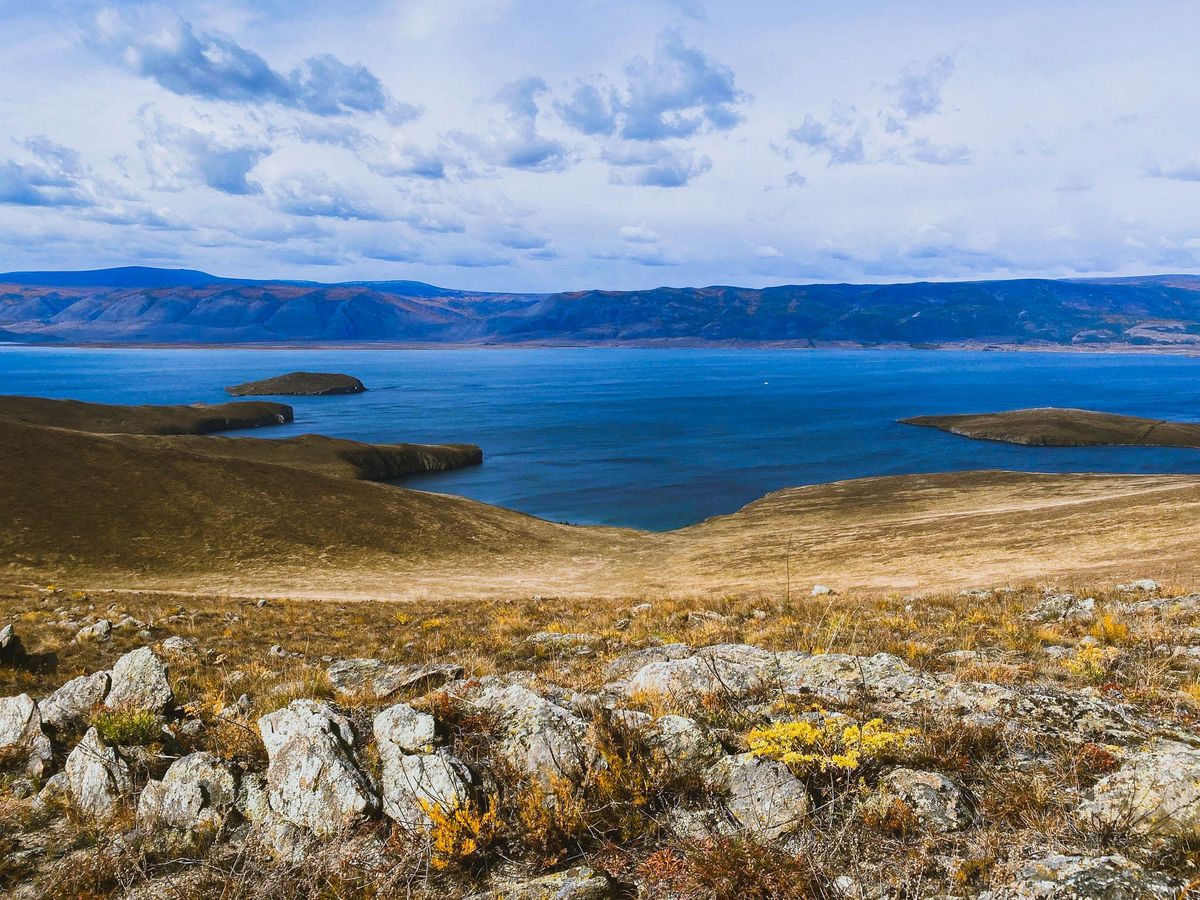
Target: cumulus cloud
[
  {"x": 317, "y": 195},
  {"x": 408, "y": 160},
  {"x": 1180, "y": 171},
  {"x": 178, "y": 156},
  {"x": 638, "y": 234},
  {"x": 591, "y": 109},
  {"x": 194, "y": 63},
  {"x": 925, "y": 151},
  {"x": 919, "y": 90},
  {"x": 845, "y": 145},
  {"x": 52, "y": 175},
  {"x": 516, "y": 142},
  {"x": 677, "y": 93},
  {"x": 655, "y": 165}
]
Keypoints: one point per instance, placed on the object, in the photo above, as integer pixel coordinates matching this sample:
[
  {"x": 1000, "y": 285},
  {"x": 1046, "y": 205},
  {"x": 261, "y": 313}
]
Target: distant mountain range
[{"x": 180, "y": 306}]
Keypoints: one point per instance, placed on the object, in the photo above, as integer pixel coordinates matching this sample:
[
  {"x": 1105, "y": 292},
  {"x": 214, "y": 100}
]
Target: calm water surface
[{"x": 657, "y": 438}]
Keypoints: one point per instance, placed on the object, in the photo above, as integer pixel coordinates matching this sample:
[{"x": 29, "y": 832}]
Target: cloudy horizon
[{"x": 524, "y": 145}]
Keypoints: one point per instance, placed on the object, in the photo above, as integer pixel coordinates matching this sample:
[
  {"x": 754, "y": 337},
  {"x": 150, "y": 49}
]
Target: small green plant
[
  {"x": 128, "y": 727},
  {"x": 834, "y": 742}
]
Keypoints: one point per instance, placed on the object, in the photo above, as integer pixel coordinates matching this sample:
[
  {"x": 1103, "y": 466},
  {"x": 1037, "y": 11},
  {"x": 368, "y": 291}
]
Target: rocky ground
[{"x": 1029, "y": 742}]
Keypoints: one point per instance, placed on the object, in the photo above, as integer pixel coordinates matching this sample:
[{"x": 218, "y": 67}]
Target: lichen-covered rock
[
  {"x": 678, "y": 741},
  {"x": 572, "y": 643},
  {"x": 313, "y": 777},
  {"x": 838, "y": 678},
  {"x": 179, "y": 646},
  {"x": 70, "y": 705},
  {"x": 412, "y": 786},
  {"x": 98, "y": 631},
  {"x": 762, "y": 795},
  {"x": 12, "y": 651},
  {"x": 21, "y": 735},
  {"x": 1060, "y": 877},
  {"x": 727, "y": 670},
  {"x": 940, "y": 805},
  {"x": 628, "y": 663},
  {"x": 139, "y": 681},
  {"x": 196, "y": 793},
  {"x": 538, "y": 737},
  {"x": 580, "y": 883},
  {"x": 97, "y": 777},
  {"x": 1063, "y": 608},
  {"x": 402, "y": 729},
  {"x": 380, "y": 680},
  {"x": 1156, "y": 791}
]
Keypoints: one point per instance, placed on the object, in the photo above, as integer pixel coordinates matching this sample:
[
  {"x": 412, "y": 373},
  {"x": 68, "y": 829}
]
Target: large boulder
[
  {"x": 380, "y": 680},
  {"x": 939, "y": 804},
  {"x": 537, "y": 737},
  {"x": 836, "y": 678},
  {"x": 1156, "y": 791},
  {"x": 313, "y": 777},
  {"x": 628, "y": 663},
  {"x": 71, "y": 704},
  {"x": 763, "y": 795},
  {"x": 580, "y": 883},
  {"x": 21, "y": 737},
  {"x": 1062, "y": 877},
  {"x": 731, "y": 671},
  {"x": 196, "y": 793},
  {"x": 97, "y": 777},
  {"x": 681, "y": 743},
  {"x": 139, "y": 681},
  {"x": 413, "y": 780}
]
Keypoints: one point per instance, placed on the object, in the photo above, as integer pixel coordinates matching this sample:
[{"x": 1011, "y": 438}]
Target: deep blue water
[{"x": 657, "y": 438}]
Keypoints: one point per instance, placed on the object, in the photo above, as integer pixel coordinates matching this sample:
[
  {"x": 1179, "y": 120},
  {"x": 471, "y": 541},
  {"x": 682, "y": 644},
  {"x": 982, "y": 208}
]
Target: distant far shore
[{"x": 681, "y": 344}]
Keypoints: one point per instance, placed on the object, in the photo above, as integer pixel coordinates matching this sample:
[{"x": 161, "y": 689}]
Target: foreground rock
[
  {"x": 21, "y": 735},
  {"x": 71, "y": 704},
  {"x": 12, "y": 651},
  {"x": 414, "y": 781},
  {"x": 98, "y": 778},
  {"x": 139, "y": 681},
  {"x": 763, "y": 795},
  {"x": 938, "y": 803},
  {"x": 580, "y": 883},
  {"x": 195, "y": 794},
  {"x": 1064, "y": 877},
  {"x": 313, "y": 777},
  {"x": 299, "y": 384},
  {"x": 1157, "y": 791},
  {"x": 380, "y": 680}
]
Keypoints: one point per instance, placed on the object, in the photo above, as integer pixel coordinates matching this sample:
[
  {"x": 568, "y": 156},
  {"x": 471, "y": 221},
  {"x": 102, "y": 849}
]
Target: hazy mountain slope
[{"x": 178, "y": 306}]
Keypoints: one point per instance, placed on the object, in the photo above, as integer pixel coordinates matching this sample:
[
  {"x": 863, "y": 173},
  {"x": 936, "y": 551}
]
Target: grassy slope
[
  {"x": 111, "y": 419},
  {"x": 99, "y": 511}
]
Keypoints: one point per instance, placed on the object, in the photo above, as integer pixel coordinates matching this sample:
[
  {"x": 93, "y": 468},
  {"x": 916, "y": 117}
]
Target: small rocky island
[
  {"x": 1052, "y": 426},
  {"x": 299, "y": 384}
]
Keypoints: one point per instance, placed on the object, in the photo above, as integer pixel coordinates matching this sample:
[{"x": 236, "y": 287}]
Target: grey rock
[
  {"x": 731, "y": 671},
  {"x": 580, "y": 883},
  {"x": 380, "y": 680},
  {"x": 196, "y": 793},
  {"x": 12, "y": 651},
  {"x": 681, "y": 742},
  {"x": 412, "y": 785},
  {"x": 762, "y": 795},
  {"x": 628, "y": 663},
  {"x": 313, "y": 777},
  {"x": 820, "y": 590},
  {"x": 21, "y": 735},
  {"x": 139, "y": 681},
  {"x": 574, "y": 643},
  {"x": 1156, "y": 791},
  {"x": 180, "y": 646},
  {"x": 71, "y": 704},
  {"x": 538, "y": 737},
  {"x": 1063, "y": 607},
  {"x": 97, "y": 777},
  {"x": 1061, "y": 877},
  {"x": 939, "y": 804},
  {"x": 837, "y": 678},
  {"x": 100, "y": 631},
  {"x": 1142, "y": 584},
  {"x": 401, "y": 728}
]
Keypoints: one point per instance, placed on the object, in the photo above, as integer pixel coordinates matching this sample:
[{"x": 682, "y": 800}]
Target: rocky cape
[
  {"x": 1057, "y": 427},
  {"x": 150, "y": 306}
]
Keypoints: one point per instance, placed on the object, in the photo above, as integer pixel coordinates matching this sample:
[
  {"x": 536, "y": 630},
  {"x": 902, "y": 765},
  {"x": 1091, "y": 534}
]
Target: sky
[{"x": 526, "y": 145}]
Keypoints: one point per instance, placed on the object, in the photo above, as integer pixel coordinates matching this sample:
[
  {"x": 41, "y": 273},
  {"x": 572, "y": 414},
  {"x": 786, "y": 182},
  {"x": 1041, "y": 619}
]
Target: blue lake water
[{"x": 657, "y": 438}]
